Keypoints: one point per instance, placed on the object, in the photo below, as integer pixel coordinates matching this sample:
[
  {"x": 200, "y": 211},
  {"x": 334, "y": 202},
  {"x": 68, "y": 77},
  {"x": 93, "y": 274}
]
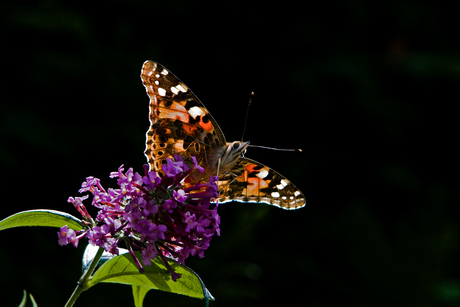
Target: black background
[{"x": 368, "y": 90}]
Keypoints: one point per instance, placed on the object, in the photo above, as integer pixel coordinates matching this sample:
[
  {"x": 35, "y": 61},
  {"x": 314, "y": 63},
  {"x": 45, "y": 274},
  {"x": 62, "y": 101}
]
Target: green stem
[{"x": 81, "y": 285}]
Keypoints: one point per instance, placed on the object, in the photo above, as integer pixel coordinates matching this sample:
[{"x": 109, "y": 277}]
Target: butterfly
[{"x": 181, "y": 124}]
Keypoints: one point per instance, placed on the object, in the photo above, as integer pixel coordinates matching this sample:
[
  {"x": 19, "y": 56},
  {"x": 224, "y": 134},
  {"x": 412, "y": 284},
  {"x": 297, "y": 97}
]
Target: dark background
[{"x": 368, "y": 91}]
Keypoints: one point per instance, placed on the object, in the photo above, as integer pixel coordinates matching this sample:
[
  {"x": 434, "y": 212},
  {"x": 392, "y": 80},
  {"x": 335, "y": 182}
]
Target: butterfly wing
[
  {"x": 179, "y": 122},
  {"x": 254, "y": 182}
]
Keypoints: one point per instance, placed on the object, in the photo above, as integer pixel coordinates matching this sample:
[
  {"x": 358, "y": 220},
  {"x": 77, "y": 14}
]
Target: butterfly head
[{"x": 234, "y": 153}]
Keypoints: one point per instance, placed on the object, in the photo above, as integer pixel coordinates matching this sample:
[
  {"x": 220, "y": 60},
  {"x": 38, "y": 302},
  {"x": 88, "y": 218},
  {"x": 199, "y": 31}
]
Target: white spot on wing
[
  {"x": 275, "y": 194},
  {"x": 181, "y": 87},
  {"x": 164, "y": 72},
  {"x": 297, "y": 193},
  {"x": 262, "y": 174},
  {"x": 174, "y": 90},
  {"x": 161, "y": 91},
  {"x": 195, "y": 111}
]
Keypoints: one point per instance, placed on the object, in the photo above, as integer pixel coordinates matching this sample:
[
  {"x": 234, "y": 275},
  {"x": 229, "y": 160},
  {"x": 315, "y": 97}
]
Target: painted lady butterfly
[{"x": 180, "y": 124}]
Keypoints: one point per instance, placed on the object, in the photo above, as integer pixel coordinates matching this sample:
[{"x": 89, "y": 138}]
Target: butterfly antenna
[
  {"x": 246, "y": 120},
  {"x": 279, "y": 149}
]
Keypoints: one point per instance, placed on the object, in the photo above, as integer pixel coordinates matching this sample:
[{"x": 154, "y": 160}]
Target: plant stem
[{"x": 81, "y": 284}]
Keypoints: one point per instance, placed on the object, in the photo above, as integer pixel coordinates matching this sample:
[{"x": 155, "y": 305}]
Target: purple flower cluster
[{"x": 153, "y": 214}]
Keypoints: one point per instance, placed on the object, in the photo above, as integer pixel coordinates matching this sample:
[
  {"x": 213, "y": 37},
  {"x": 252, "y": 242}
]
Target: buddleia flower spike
[{"x": 152, "y": 214}]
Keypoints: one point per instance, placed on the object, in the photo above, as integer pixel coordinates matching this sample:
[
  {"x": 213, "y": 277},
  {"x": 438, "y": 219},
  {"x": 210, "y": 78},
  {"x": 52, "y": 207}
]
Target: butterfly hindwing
[{"x": 254, "y": 182}]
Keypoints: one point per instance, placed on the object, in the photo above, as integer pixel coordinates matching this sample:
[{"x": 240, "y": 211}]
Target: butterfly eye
[{"x": 235, "y": 145}]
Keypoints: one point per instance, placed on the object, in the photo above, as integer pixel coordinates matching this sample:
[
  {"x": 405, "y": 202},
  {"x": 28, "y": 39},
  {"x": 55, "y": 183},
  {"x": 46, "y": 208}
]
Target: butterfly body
[{"x": 181, "y": 124}]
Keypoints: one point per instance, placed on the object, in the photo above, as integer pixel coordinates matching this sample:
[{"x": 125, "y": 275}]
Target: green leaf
[
  {"x": 50, "y": 218},
  {"x": 34, "y": 303},
  {"x": 123, "y": 270},
  {"x": 139, "y": 295},
  {"x": 90, "y": 253},
  {"x": 24, "y": 299}
]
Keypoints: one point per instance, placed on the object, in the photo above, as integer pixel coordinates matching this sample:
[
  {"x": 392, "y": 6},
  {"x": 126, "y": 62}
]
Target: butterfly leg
[
  {"x": 224, "y": 177},
  {"x": 218, "y": 167}
]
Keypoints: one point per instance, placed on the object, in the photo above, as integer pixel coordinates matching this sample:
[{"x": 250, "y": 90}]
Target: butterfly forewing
[{"x": 181, "y": 124}]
